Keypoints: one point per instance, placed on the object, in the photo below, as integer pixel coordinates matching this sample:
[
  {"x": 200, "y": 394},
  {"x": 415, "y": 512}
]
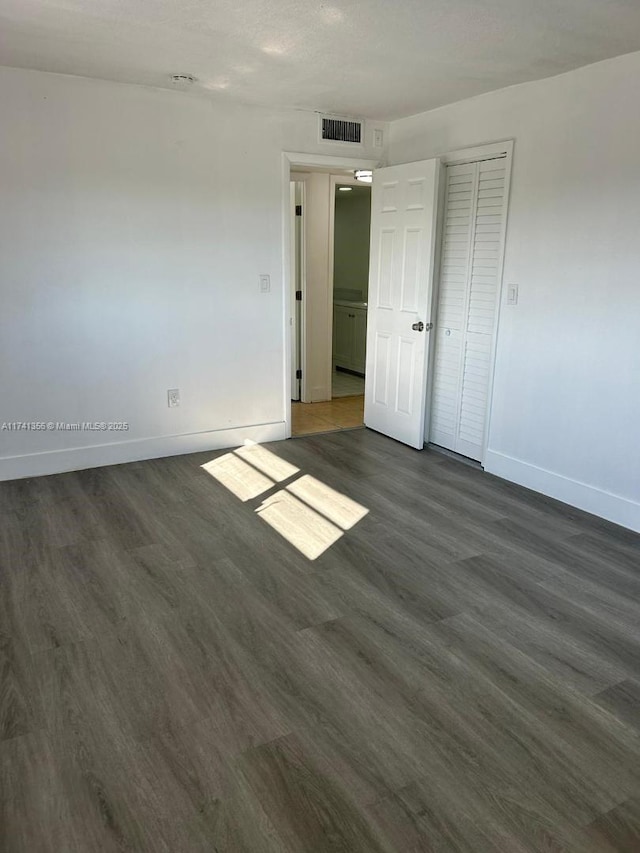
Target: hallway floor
[
  {"x": 340, "y": 413},
  {"x": 346, "y": 384}
]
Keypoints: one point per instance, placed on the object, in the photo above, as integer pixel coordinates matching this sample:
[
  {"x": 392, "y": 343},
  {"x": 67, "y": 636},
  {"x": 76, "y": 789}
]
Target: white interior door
[{"x": 403, "y": 224}]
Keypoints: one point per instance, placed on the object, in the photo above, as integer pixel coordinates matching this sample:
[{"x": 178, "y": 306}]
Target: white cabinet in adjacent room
[
  {"x": 349, "y": 336},
  {"x": 359, "y": 333},
  {"x": 342, "y": 346}
]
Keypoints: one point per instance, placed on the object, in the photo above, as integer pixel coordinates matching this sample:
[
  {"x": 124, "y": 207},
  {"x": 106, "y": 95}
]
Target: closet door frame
[{"x": 455, "y": 158}]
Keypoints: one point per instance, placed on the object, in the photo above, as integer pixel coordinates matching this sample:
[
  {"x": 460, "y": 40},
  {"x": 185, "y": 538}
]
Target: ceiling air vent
[{"x": 340, "y": 130}]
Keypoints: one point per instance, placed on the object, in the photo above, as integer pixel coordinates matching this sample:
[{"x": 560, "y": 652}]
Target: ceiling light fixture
[
  {"x": 364, "y": 175},
  {"x": 183, "y": 79},
  {"x": 345, "y": 189}
]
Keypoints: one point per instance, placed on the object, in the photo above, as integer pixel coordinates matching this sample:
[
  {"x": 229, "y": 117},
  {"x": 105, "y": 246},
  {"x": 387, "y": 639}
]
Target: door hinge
[
  {"x": 298, "y": 374},
  {"x": 298, "y": 210},
  {"x": 298, "y": 296}
]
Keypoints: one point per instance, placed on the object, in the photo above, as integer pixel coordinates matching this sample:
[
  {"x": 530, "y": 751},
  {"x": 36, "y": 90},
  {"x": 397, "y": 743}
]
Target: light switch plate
[
  {"x": 512, "y": 294},
  {"x": 265, "y": 283}
]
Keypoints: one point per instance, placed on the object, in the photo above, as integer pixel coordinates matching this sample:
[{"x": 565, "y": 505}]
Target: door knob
[{"x": 418, "y": 327}]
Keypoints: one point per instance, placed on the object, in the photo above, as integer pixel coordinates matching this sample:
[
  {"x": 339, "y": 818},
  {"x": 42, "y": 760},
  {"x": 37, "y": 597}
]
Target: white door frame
[
  {"x": 291, "y": 160},
  {"x": 292, "y": 264},
  {"x": 452, "y": 158},
  {"x": 297, "y": 262}
]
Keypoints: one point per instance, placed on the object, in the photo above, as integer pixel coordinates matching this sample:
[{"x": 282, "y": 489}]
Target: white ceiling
[{"x": 371, "y": 58}]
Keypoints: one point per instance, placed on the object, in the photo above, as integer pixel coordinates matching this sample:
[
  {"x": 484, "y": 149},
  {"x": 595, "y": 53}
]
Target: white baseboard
[
  {"x": 581, "y": 495},
  {"x": 115, "y": 453}
]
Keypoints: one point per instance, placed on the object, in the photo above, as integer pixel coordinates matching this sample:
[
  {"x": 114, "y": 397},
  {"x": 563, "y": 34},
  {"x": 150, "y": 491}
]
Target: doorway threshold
[
  {"x": 327, "y": 416},
  {"x": 331, "y": 431}
]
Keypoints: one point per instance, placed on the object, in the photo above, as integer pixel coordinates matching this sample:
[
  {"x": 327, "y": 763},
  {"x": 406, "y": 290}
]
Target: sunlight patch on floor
[
  {"x": 335, "y": 506},
  {"x": 266, "y": 461},
  {"x": 300, "y": 525},
  {"x": 308, "y": 513},
  {"x": 242, "y": 480}
]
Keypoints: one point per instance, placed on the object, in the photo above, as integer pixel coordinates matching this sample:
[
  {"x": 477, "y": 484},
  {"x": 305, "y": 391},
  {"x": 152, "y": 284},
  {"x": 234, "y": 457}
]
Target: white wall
[
  {"x": 351, "y": 244},
  {"x": 566, "y": 403},
  {"x": 133, "y": 226}
]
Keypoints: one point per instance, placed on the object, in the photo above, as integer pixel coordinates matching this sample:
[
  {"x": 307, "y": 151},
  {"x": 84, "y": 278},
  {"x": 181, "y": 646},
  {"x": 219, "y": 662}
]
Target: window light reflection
[
  {"x": 308, "y": 513},
  {"x": 266, "y": 461},
  {"x": 242, "y": 480},
  {"x": 335, "y": 506},
  {"x": 300, "y": 525}
]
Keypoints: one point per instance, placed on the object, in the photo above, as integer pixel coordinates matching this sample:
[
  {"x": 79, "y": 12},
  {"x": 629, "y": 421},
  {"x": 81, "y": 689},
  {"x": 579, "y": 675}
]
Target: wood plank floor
[
  {"x": 458, "y": 671},
  {"x": 329, "y": 416}
]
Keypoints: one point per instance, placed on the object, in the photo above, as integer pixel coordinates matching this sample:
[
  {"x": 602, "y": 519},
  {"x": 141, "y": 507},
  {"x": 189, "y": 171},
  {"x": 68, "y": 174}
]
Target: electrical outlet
[
  {"x": 173, "y": 397},
  {"x": 265, "y": 283}
]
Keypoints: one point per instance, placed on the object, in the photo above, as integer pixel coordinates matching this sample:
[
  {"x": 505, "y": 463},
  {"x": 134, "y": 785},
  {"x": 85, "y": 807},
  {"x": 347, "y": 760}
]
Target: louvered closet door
[{"x": 475, "y": 211}]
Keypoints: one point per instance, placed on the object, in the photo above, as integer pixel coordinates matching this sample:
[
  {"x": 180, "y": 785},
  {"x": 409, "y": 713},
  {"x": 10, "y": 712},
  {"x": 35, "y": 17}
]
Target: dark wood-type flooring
[{"x": 460, "y": 671}]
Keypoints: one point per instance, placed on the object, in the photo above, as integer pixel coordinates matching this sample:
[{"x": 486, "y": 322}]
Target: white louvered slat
[
  {"x": 455, "y": 261},
  {"x": 489, "y": 192},
  {"x": 473, "y": 226}
]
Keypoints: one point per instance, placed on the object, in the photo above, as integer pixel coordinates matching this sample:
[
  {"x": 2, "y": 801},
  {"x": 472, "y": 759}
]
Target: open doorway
[
  {"x": 411, "y": 204},
  {"x": 331, "y": 216}
]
